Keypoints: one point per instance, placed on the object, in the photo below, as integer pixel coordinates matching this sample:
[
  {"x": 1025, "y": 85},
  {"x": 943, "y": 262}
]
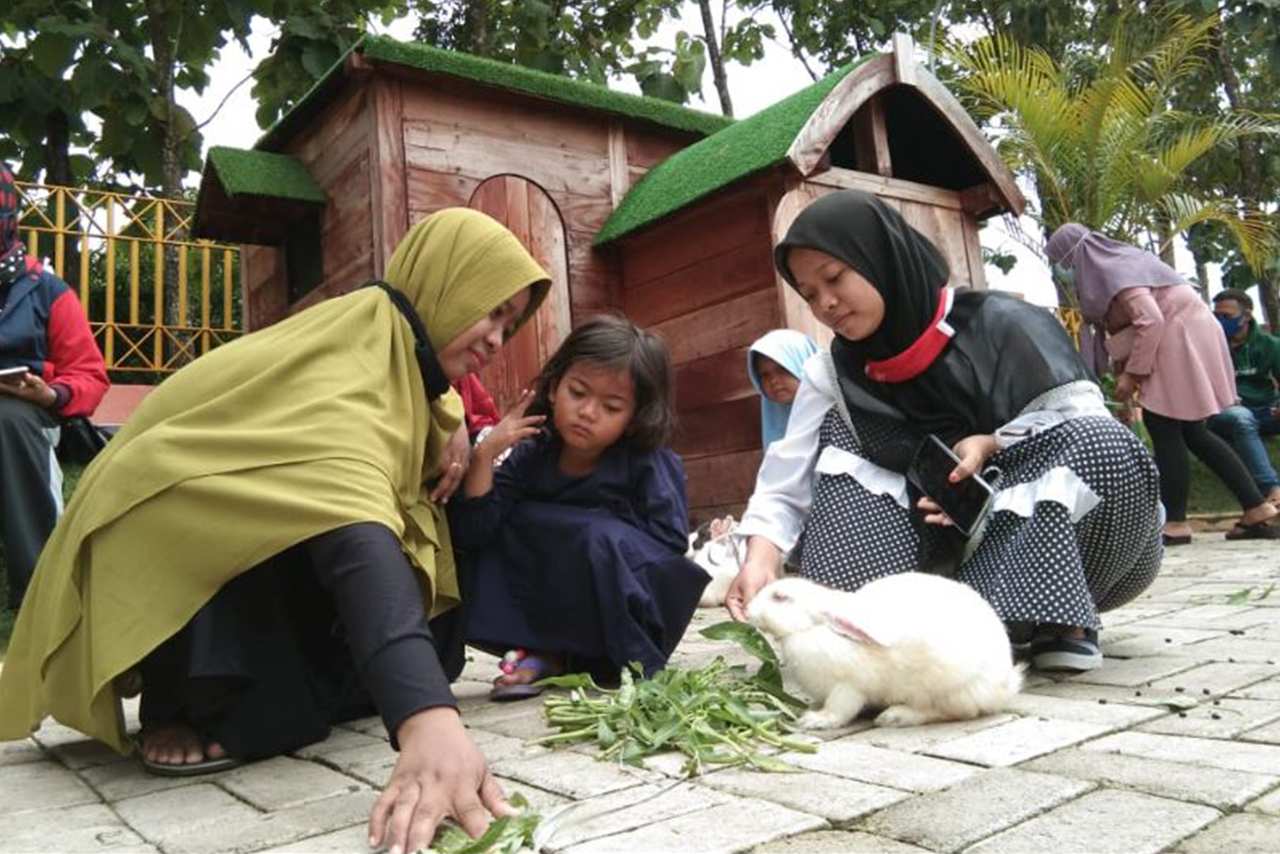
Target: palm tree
[{"x": 1099, "y": 139}]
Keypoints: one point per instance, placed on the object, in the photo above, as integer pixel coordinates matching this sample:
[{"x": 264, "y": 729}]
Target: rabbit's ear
[{"x": 845, "y": 626}]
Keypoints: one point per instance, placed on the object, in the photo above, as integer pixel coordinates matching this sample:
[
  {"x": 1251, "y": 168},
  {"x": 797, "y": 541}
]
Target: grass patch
[{"x": 70, "y": 477}]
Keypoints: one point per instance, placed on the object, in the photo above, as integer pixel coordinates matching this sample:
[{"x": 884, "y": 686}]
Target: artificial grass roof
[
  {"x": 501, "y": 75},
  {"x": 746, "y": 146},
  {"x": 243, "y": 172}
]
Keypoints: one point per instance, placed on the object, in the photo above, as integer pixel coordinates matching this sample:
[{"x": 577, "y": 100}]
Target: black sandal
[{"x": 186, "y": 769}]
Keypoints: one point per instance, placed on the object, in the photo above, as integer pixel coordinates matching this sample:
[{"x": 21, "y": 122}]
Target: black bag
[{"x": 80, "y": 441}]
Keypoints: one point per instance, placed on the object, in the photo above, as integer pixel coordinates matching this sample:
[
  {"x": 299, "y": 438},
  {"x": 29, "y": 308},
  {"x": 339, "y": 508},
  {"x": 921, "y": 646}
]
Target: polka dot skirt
[{"x": 1042, "y": 569}]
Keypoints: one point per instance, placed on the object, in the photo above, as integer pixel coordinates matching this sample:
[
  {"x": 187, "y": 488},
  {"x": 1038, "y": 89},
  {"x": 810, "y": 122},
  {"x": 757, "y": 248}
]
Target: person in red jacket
[{"x": 50, "y": 369}]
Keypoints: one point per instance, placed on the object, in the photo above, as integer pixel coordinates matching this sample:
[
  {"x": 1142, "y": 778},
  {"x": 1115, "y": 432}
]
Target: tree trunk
[
  {"x": 478, "y": 24},
  {"x": 1202, "y": 278},
  {"x": 165, "y": 23},
  {"x": 717, "y": 61},
  {"x": 57, "y": 171},
  {"x": 1250, "y": 172}
]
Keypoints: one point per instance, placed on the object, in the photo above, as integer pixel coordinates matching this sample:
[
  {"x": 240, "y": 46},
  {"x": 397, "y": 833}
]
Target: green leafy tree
[{"x": 1099, "y": 137}]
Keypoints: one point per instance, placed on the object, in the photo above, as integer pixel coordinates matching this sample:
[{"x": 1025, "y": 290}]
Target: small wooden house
[{"x": 634, "y": 205}]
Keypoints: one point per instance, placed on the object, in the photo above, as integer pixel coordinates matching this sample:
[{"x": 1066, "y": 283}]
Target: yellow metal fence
[{"x": 155, "y": 298}]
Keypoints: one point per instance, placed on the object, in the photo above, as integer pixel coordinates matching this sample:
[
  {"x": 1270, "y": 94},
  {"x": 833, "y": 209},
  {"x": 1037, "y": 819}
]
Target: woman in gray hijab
[{"x": 1171, "y": 356}]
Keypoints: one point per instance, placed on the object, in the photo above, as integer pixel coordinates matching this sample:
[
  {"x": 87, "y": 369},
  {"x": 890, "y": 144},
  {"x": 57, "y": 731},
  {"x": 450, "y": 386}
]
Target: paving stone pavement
[{"x": 1174, "y": 745}]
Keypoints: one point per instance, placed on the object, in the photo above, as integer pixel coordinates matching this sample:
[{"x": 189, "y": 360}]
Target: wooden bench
[{"x": 118, "y": 405}]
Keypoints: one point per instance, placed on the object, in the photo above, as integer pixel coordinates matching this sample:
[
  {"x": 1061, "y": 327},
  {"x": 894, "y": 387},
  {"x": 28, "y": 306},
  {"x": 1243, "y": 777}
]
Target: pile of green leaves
[
  {"x": 505, "y": 835},
  {"x": 715, "y": 715}
]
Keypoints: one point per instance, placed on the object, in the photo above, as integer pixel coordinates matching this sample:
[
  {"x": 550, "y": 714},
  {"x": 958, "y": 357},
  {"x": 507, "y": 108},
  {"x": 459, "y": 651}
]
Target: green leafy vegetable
[
  {"x": 505, "y": 835},
  {"x": 714, "y": 715}
]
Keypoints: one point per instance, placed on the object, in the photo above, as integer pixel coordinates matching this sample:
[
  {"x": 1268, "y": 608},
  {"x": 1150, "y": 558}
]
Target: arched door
[{"x": 528, "y": 211}]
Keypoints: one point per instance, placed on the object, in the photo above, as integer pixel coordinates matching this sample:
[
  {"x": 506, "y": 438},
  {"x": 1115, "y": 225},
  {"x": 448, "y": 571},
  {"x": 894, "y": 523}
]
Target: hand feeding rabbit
[
  {"x": 715, "y": 549},
  {"x": 922, "y": 647}
]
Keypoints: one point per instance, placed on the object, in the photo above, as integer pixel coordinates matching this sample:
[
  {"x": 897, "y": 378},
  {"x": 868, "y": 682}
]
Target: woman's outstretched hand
[
  {"x": 440, "y": 774},
  {"x": 762, "y": 565},
  {"x": 453, "y": 465},
  {"x": 973, "y": 451}
]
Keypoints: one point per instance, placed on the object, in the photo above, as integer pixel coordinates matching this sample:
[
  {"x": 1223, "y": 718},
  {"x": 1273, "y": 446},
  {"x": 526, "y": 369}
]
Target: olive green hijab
[{"x": 317, "y": 422}]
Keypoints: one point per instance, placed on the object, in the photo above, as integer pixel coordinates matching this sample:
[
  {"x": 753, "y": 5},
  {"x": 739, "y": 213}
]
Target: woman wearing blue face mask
[{"x": 1168, "y": 353}]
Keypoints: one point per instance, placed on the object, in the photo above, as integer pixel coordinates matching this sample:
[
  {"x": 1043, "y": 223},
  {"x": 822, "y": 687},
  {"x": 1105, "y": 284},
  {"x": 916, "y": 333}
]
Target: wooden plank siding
[{"x": 704, "y": 281}]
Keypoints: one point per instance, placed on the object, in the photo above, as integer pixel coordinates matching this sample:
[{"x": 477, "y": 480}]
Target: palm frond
[{"x": 1255, "y": 236}]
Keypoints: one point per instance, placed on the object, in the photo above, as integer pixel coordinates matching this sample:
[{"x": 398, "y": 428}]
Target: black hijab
[{"x": 1004, "y": 354}]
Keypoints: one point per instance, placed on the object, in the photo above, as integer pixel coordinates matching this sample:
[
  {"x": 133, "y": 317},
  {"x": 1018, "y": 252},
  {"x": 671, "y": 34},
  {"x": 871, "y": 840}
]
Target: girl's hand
[
  {"x": 973, "y": 451},
  {"x": 440, "y": 774},
  {"x": 513, "y": 427},
  {"x": 762, "y": 566},
  {"x": 33, "y": 389},
  {"x": 1126, "y": 387},
  {"x": 453, "y": 466}
]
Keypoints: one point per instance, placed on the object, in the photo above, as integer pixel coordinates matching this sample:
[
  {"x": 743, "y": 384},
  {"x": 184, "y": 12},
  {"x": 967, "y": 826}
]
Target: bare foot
[
  {"x": 1273, "y": 497},
  {"x": 177, "y": 744},
  {"x": 1177, "y": 529}
]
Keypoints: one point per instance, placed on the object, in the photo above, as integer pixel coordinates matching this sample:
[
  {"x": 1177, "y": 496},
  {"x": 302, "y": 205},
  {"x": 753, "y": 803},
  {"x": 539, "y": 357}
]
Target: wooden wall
[
  {"x": 457, "y": 135},
  {"x": 337, "y": 149},
  {"x": 397, "y": 145},
  {"x": 704, "y": 281}
]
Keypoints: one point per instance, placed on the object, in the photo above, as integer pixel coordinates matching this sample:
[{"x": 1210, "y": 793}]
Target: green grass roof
[
  {"x": 261, "y": 173},
  {"x": 742, "y": 148},
  {"x": 502, "y": 75}
]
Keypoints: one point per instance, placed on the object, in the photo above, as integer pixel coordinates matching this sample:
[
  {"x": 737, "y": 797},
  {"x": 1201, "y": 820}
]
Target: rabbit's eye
[{"x": 779, "y": 596}]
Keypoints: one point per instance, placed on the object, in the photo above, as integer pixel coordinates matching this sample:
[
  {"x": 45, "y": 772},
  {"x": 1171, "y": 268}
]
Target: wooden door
[{"x": 528, "y": 211}]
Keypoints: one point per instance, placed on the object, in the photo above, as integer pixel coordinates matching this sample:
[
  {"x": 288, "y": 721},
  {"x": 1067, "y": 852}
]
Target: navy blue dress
[{"x": 591, "y": 567}]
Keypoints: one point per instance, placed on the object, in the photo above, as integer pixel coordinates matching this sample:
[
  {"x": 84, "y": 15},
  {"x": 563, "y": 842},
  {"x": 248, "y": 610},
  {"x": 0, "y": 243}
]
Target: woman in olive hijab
[
  {"x": 1073, "y": 527},
  {"x": 258, "y": 542}
]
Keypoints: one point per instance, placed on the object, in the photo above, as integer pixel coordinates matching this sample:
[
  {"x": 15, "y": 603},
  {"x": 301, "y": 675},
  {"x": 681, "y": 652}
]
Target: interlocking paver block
[
  {"x": 183, "y": 812},
  {"x": 1017, "y": 741},
  {"x": 1101, "y": 823},
  {"x": 121, "y": 780},
  {"x": 1267, "y": 690},
  {"x": 349, "y": 840},
  {"x": 975, "y": 809},
  {"x": 1238, "y": 834},
  {"x": 834, "y": 798},
  {"x": 858, "y": 761},
  {"x": 1255, "y": 758},
  {"x": 285, "y": 782},
  {"x": 1212, "y": 617},
  {"x": 41, "y": 786},
  {"x": 736, "y": 826},
  {"x": 91, "y": 827},
  {"x": 85, "y": 754},
  {"x": 629, "y": 809},
  {"x": 571, "y": 774},
  {"x": 837, "y": 842},
  {"x": 1269, "y": 734},
  {"x": 1239, "y": 649},
  {"x": 17, "y": 752},
  {"x": 1269, "y": 804},
  {"x": 277, "y": 828},
  {"x": 1088, "y": 711},
  {"x": 1140, "y": 696},
  {"x": 339, "y": 739},
  {"x": 1217, "y": 678},
  {"x": 913, "y": 739},
  {"x": 1132, "y": 672},
  {"x": 1216, "y": 787},
  {"x": 1225, "y": 718},
  {"x": 1135, "y": 642}
]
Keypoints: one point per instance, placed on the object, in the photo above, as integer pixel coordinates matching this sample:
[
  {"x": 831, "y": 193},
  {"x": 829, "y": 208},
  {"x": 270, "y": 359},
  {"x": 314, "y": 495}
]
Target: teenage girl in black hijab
[{"x": 1074, "y": 527}]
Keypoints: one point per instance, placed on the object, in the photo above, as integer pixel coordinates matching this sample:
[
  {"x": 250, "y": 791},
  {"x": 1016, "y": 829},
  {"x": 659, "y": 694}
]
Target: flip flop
[
  {"x": 1176, "y": 540},
  {"x": 1256, "y": 531},
  {"x": 187, "y": 769},
  {"x": 523, "y": 690}
]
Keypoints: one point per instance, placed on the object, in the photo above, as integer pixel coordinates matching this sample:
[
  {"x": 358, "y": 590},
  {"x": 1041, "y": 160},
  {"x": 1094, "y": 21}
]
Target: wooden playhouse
[{"x": 634, "y": 205}]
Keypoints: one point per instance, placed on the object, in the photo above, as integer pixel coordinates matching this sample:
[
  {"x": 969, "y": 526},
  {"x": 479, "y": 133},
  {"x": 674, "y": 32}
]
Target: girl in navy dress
[{"x": 574, "y": 547}]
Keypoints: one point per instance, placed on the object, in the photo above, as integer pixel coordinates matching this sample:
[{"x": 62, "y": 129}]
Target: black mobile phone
[{"x": 965, "y": 502}]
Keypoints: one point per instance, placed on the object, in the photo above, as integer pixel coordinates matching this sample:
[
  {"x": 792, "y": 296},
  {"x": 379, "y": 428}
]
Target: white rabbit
[
  {"x": 717, "y": 551},
  {"x": 921, "y": 647}
]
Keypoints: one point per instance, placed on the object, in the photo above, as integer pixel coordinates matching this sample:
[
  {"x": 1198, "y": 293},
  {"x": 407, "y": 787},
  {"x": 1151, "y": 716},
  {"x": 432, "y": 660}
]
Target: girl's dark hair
[{"x": 617, "y": 343}]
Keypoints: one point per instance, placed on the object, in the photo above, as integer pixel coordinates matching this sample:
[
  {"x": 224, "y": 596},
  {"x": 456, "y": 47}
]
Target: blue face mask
[
  {"x": 1064, "y": 274},
  {"x": 1230, "y": 325}
]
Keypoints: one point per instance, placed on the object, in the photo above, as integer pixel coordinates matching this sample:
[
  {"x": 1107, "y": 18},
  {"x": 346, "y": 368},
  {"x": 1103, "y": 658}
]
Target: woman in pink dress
[{"x": 1170, "y": 354}]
